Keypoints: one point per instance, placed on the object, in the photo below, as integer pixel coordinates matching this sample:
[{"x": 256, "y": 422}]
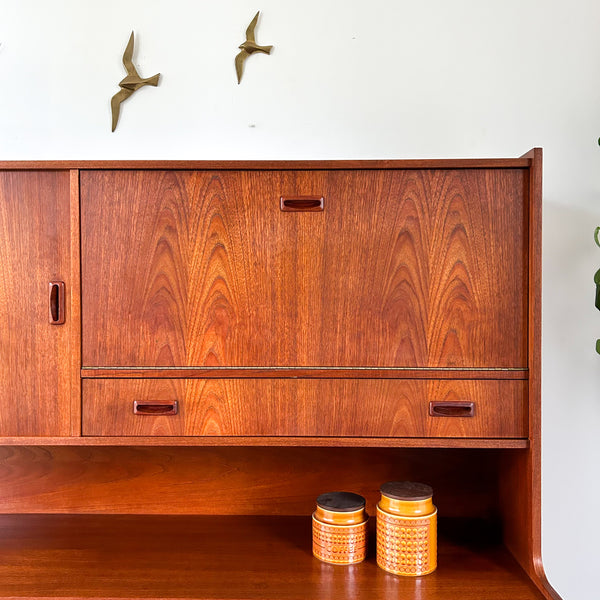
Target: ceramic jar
[
  {"x": 406, "y": 529},
  {"x": 339, "y": 526}
]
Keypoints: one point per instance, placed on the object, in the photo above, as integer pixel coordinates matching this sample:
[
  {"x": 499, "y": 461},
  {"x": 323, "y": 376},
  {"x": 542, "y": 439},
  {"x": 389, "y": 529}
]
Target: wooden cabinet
[{"x": 244, "y": 336}]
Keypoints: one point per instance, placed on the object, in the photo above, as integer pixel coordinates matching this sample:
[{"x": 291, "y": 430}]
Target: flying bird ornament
[
  {"x": 249, "y": 47},
  {"x": 130, "y": 84}
]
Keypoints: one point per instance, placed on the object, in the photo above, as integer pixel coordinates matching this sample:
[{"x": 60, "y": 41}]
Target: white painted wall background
[{"x": 354, "y": 79}]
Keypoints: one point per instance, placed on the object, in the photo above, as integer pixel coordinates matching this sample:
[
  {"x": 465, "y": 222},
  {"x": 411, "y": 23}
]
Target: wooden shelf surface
[{"x": 214, "y": 557}]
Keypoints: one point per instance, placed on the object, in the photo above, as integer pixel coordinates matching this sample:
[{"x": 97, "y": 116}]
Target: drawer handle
[
  {"x": 302, "y": 204},
  {"x": 452, "y": 409},
  {"x": 56, "y": 302},
  {"x": 148, "y": 407}
]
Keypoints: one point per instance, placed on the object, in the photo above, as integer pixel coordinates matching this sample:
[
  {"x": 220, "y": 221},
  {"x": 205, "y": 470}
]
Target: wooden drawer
[
  {"x": 304, "y": 407},
  {"x": 401, "y": 268}
]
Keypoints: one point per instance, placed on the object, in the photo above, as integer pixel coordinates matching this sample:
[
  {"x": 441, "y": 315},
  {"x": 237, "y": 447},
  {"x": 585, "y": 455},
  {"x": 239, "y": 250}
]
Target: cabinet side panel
[
  {"x": 34, "y": 251},
  {"x": 520, "y": 471}
]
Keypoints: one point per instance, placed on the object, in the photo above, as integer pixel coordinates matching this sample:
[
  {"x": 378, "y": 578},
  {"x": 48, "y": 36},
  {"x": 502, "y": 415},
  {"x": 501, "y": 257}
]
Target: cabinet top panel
[{"x": 462, "y": 163}]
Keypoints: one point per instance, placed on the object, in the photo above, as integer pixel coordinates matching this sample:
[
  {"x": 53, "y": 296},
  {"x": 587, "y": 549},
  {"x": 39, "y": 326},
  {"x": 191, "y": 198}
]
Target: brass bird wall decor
[
  {"x": 130, "y": 84},
  {"x": 249, "y": 47}
]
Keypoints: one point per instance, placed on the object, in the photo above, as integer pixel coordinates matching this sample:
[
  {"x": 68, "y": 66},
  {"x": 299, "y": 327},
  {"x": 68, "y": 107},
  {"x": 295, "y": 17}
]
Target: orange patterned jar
[
  {"x": 339, "y": 526},
  {"x": 406, "y": 529}
]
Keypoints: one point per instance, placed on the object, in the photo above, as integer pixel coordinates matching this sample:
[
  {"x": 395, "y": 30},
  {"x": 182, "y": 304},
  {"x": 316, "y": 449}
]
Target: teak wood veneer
[{"x": 191, "y": 352}]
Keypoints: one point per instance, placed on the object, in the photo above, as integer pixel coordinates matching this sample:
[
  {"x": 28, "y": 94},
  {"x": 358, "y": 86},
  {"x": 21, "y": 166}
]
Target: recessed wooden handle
[
  {"x": 56, "y": 302},
  {"x": 452, "y": 409},
  {"x": 302, "y": 203},
  {"x": 149, "y": 407}
]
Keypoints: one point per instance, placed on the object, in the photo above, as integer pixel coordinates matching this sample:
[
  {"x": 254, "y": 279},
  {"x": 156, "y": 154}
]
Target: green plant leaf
[
  {"x": 598, "y": 346},
  {"x": 596, "y": 232}
]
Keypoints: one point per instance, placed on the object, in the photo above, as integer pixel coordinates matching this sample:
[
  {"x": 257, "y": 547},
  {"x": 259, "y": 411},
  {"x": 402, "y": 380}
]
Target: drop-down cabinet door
[
  {"x": 34, "y": 281},
  {"x": 304, "y": 268}
]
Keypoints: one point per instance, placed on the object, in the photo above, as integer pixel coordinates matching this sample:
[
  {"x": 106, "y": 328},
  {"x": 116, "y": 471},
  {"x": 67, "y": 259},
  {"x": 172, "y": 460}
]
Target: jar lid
[
  {"x": 341, "y": 501},
  {"x": 407, "y": 490}
]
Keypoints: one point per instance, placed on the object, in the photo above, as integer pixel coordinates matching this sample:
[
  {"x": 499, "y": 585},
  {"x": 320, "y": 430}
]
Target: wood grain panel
[
  {"x": 257, "y": 481},
  {"x": 416, "y": 268},
  {"x": 304, "y": 407},
  {"x": 35, "y": 363}
]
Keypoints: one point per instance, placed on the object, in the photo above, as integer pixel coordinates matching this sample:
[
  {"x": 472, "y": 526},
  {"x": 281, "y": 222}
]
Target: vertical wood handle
[
  {"x": 150, "y": 407},
  {"x": 302, "y": 203},
  {"x": 452, "y": 409},
  {"x": 56, "y": 302}
]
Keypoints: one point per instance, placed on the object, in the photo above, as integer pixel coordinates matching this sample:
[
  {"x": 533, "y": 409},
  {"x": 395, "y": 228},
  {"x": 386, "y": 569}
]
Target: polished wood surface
[
  {"x": 305, "y": 407},
  {"x": 402, "y": 268},
  {"x": 227, "y": 480},
  {"x": 34, "y": 250},
  {"x": 245, "y": 558}
]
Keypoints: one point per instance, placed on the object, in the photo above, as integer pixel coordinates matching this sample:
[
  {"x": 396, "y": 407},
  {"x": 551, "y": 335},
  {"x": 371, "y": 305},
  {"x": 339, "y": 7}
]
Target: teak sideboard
[{"x": 191, "y": 352}]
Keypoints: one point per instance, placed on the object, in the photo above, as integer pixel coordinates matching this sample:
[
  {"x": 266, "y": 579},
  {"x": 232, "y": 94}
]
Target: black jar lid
[
  {"x": 341, "y": 501},
  {"x": 407, "y": 490}
]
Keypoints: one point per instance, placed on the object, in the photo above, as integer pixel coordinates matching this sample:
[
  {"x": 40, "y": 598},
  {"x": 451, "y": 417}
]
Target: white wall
[{"x": 350, "y": 79}]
